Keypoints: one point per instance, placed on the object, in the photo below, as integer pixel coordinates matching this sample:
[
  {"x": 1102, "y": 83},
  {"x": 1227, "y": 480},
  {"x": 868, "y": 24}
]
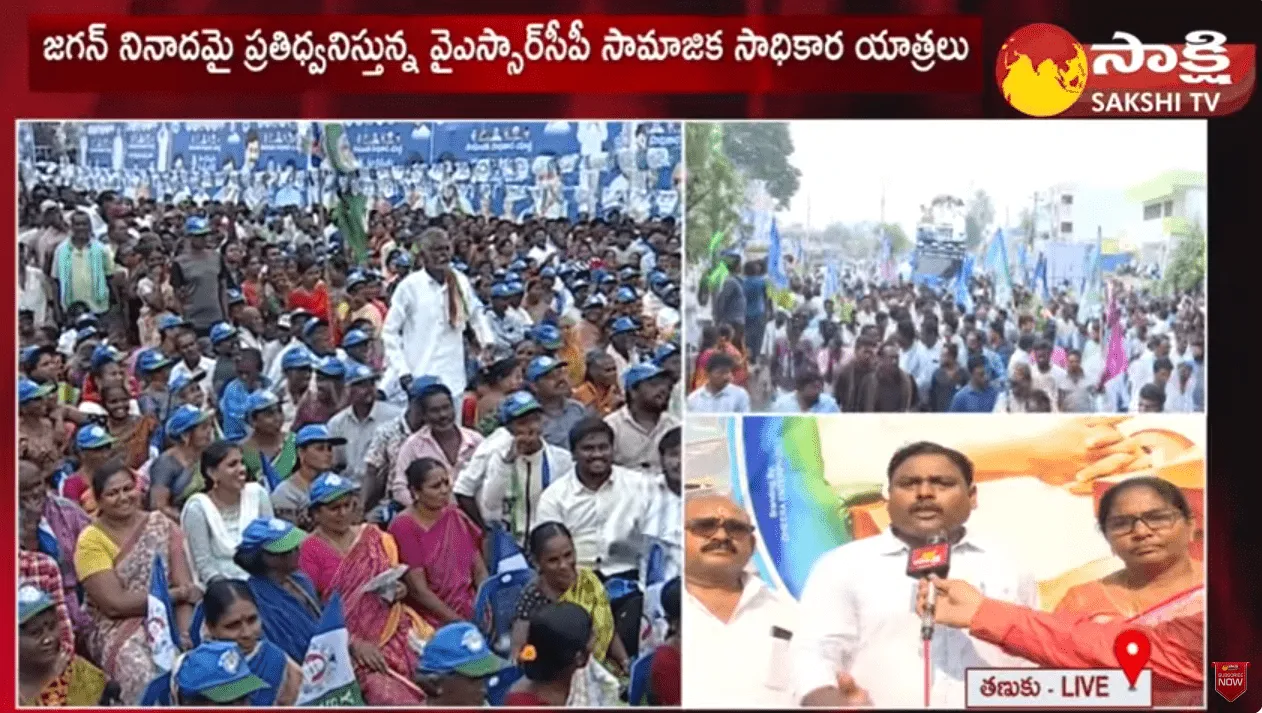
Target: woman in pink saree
[
  {"x": 1149, "y": 525},
  {"x": 441, "y": 545},
  {"x": 343, "y": 556}
]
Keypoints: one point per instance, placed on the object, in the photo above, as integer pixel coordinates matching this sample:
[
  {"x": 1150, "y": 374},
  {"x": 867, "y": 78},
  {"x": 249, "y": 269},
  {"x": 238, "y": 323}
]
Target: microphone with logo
[{"x": 933, "y": 557}]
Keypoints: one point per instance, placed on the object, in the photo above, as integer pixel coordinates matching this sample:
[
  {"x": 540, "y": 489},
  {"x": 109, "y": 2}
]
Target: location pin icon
[{"x": 1132, "y": 649}]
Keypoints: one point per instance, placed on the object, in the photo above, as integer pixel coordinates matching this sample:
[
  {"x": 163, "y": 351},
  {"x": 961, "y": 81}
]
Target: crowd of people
[
  {"x": 870, "y": 345},
  {"x": 270, "y": 416}
]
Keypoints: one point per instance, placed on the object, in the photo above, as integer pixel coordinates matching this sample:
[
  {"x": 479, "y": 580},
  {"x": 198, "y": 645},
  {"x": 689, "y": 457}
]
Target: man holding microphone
[{"x": 859, "y": 606}]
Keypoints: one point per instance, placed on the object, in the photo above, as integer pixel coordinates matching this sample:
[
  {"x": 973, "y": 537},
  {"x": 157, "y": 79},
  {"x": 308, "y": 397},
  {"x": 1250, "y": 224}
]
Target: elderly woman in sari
[
  {"x": 51, "y": 525},
  {"x": 342, "y": 556},
  {"x": 1149, "y": 526},
  {"x": 562, "y": 580},
  {"x": 114, "y": 561},
  {"x": 213, "y": 521},
  {"x": 176, "y": 475},
  {"x": 440, "y": 544},
  {"x": 49, "y": 672}
]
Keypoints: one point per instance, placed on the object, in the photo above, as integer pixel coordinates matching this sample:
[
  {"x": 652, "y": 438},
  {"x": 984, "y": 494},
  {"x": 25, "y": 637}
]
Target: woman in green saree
[
  {"x": 269, "y": 454},
  {"x": 175, "y": 476}
]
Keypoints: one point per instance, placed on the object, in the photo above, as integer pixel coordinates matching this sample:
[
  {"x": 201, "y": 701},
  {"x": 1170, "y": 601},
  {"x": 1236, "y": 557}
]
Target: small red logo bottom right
[{"x": 1231, "y": 678}]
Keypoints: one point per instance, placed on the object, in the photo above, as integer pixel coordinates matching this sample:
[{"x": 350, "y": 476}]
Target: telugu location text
[{"x": 1174, "y": 102}]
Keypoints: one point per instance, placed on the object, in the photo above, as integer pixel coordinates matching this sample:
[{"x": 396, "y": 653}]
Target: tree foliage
[
  {"x": 1186, "y": 269},
  {"x": 899, "y": 242},
  {"x": 980, "y": 214},
  {"x": 761, "y": 151},
  {"x": 714, "y": 191}
]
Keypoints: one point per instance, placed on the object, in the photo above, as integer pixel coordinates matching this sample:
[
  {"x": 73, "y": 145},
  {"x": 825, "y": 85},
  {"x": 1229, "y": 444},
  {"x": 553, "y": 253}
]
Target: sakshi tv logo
[{"x": 1043, "y": 71}]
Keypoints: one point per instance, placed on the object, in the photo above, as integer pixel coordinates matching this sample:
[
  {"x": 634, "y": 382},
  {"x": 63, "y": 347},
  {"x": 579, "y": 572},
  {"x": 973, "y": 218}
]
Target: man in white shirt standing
[
  {"x": 858, "y": 605},
  {"x": 424, "y": 329}
]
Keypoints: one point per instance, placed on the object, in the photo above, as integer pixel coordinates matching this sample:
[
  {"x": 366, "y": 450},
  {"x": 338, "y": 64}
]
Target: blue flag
[
  {"x": 997, "y": 265},
  {"x": 160, "y": 618},
  {"x": 775, "y": 266},
  {"x": 269, "y": 472},
  {"x": 832, "y": 281},
  {"x": 964, "y": 296},
  {"x": 1040, "y": 279},
  {"x": 328, "y": 675}
]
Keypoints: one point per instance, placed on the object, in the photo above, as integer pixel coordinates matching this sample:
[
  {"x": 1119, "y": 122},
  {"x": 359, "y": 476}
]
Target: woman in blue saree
[{"x": 288, "y": 606}]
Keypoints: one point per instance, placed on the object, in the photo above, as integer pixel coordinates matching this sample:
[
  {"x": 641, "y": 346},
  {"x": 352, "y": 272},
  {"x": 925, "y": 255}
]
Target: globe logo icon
[{"x": 1041, "y": 70}]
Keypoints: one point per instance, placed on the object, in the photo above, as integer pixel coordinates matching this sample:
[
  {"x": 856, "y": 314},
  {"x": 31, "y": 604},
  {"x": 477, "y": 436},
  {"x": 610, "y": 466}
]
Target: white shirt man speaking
[{"x": 857, "y": 609}]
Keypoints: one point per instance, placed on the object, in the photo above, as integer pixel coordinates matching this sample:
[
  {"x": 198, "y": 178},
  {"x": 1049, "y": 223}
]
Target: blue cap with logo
[
  {"x": 185, "y": 419},
  {"x": 657, "y": 277},
  {"x": 422, "y": 386},
  {"x": 499, "y": 291},
  {"x": 541, "y": 365},
  {"x": 354, "y": 338},
  {"x": 316, "y": 433},
  {"x": 196, "y": 225},
  {"x": 516, "y": 405},
  {"x": 625, "y": 295},
  {"x": 104, "y": 354},
  {"x": 221, "y": 332},
  {"x": 547, "y": 336},
  {"x": 628, "y": 272},
  {"x": 152, "y": 360},
  {"x": 235, "y": 297},
  {"x": 296, "y": 358},
  {"x": 171, "y": 321},
  {"x": 605, "y": 279},
  {"x": 312, "y": 325},
  {"x": 358, "y": 373},
  {"x": 515, "y": 287},
  {"x": 329, "y": 487},
  {"x": 639, "y": 374},
  {"x": 517, "y": 265},
  {"x": 664, "y": 352},
  {"x": 29, "y": 390},
  {"x": 93, "y": 437},
  {"x": 622, "y": 325},
  {"x": 331, "y": 367},
  {"x": 85, "y": 334},
  {"x": 355, "y": 279},
  {"x": 459, "y": 648},
  {"x": 260, "y": 400},
  {"x": 31, "y": 601},
  {"x": 594, "y": 302},
  {"x": 401, "y": 261},
  {"x": 271, "y": 535},
  {"x": 218, "y": 672},
  {"x": 548, "y": 272}
]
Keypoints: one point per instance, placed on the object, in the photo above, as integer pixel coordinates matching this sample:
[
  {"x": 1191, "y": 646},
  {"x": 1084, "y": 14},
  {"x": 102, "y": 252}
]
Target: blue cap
[
  {"x": 605, "y": 279},
  {"x": 331, "y": 367},
  {"x": 260, "y": 400},
  {"x": 547, "y": 336},
  {"x": 272, "y": 535},
  {"x": 358, "y": 373},
  {"x": 235, "y": 297},
  {"x": 517, "y": 265},
  {"x": 622, "y": 325},
  {"x": 85, "y": 334},
  {"x": 104, "y": 354},
  {"x": 329, "y": 487},
  {"x": 593, "y": 302},
  {"x": 218, "y": 672},
  {"x": 31, "y": 601},
  {"x": 221, "y": 332},
  {"x": 171, "y": 321},
  {"x": 421, "y": 386},
  {"x": 196, "y": 225},
  {"x": 657, "y": 277},
  {"x": 510, "y": 277},
  {"x": 541, "y": 365},
  {"x": 355, "y": 279},
  {"x": 516, "y": 405},
  {"x": 354, "y": 338},
  {"x": 625, "y": 295},
  {"x": 640, "y": 373},
  {"x": 185, "y": 419},
  {"x": 29, "y": 390},
  {"x": 548, "y": 272},
  {"x": 516, "y": 288},
  {"x": 459, "y": 265},
  {"x": 628, "y": 272},
  {"x": 499, "y": 273},
  {"x": 500, "y": 291},
  {"x": 177, "y": 381},
  {"x": 312, "y": 325},
  {"x": 152, "y": 360},
  {"x": 87, "y": 320},
  {"x": 92, "y": 437},
  {"x": 664, "y": 352},
  {"x": 579, "y": 284},
  {"x": 459, "y": 648},
  {"x": 565, "y": 269},
  {"x": 401, "y": 260},
  {"x": 316, "y": 433},
  {"x": 297, "y": 358}
]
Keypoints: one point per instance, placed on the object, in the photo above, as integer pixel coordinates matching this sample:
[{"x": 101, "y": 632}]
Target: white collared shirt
[
  {"x": 656, "y": 516},
  {"x": 738, "y": 663},
  {"x": 419, "y": 338},
  {"x": 858, "y": 615},
  {"x": 490, "y": 481},
  {"x": 589, "y": 515}
]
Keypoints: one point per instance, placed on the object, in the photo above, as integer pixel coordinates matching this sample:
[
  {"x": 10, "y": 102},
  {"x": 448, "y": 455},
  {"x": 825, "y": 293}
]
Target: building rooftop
[{"x": 1164, "y": 185}]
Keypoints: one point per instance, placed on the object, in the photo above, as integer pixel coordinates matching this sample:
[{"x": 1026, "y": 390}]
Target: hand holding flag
[{"x": 160, "y": 626}]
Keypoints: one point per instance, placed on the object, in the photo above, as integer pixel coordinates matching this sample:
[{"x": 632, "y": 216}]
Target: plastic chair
[
  {"x": 497, "y": 686},
  {"x": 655, "y": 565},
  {"x": 496, "y": 604},
  {"x": 640, "y": 668}
]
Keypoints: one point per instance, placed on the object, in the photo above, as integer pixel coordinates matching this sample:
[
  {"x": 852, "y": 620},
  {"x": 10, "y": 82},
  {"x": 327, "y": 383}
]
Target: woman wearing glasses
[{"x": 1159, "y": 591}]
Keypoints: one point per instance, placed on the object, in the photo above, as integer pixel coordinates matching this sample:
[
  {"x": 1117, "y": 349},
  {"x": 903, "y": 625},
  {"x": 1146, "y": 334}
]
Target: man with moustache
[
  {"x": 738, "y": 628},
  {"x": 858, "y": 605}
]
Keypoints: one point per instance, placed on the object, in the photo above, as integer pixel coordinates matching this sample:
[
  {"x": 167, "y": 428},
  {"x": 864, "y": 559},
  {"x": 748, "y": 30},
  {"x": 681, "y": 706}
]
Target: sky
[{"x": 845, "y": 165}]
